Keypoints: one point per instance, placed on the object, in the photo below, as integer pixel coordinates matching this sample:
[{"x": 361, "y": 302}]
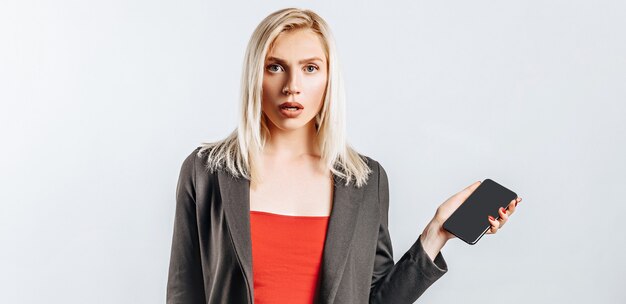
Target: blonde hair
[{"x": 238, "y": 151}]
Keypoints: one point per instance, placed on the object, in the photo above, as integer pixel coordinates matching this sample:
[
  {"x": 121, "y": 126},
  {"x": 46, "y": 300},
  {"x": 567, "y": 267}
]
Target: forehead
[{"x": 297, "y": 44}]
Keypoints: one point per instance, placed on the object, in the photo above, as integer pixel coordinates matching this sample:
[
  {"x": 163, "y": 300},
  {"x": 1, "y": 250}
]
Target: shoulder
[
  {"x": 195, "y": 170},
  {"x": 195, "y": 161},
  {"x": 192, "y": 158},
  {"x": 378, "y": 173},
  {"x": 199, "y": 156},
  {"x": 188, "y": 167},
  {"x": 372, "y": 163}
]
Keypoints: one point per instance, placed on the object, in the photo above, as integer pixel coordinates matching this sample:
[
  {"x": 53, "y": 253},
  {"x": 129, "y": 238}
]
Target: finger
[
  {"x": 513, "y": 205},
  {"x": 503, "y": 216},
  {"x": 494, "y": 224}
]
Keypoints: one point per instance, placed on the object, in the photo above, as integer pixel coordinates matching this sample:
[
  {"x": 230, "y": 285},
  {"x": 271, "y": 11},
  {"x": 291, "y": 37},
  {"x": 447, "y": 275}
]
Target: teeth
[{"x": 291, "y": 109}]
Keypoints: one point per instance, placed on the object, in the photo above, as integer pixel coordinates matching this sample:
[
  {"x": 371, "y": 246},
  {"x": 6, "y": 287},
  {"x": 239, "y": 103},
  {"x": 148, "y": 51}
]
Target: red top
[{"x": 286, "y": 254}]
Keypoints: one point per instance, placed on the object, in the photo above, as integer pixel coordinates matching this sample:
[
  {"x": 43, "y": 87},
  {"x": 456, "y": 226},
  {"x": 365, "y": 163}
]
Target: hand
[
  {"x": 504, "y": 216},
  {"x": 451, "y": 204}
]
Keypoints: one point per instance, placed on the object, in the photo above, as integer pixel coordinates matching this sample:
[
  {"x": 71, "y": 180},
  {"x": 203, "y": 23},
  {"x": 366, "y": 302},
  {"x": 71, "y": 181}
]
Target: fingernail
[
  {"x": 503, "y": 210},
  {"x": 491, "y": 218}
]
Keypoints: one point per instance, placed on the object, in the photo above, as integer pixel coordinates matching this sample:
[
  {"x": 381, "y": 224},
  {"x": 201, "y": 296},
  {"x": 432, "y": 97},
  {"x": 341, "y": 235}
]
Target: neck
[{"x": 292, "y": 144}]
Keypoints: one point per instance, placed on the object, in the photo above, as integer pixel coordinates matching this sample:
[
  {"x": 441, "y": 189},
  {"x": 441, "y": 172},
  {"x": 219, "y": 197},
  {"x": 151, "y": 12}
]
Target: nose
[{"x": 293, "y": 85}]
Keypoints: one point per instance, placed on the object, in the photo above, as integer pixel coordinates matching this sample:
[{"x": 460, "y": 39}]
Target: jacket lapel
[
  {"x": 235, "y": 194},
  {"x": 339, "y": 236}
]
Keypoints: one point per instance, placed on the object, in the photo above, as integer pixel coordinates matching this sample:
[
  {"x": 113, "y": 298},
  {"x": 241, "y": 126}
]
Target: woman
[{"x": 286, "y": 191}]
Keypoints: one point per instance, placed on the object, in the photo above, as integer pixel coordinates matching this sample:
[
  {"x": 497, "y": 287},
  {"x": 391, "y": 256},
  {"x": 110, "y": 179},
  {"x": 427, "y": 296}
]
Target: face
[{"x": 294, "y": 80}]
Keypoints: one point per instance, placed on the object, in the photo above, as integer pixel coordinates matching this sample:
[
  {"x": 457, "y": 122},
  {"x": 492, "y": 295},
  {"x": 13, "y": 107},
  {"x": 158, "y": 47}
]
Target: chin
[{"x": 289, "y": 124}]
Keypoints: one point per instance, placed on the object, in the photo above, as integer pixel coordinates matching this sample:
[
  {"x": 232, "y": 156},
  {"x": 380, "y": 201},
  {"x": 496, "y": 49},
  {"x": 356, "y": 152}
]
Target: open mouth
[
  {"x": 291, "y": 109},
  {"x": 291, "y": 106}
]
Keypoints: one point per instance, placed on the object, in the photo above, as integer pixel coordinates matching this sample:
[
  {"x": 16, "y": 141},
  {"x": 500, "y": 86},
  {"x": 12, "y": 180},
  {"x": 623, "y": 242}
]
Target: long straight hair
[{"x": 237, "y": 152}]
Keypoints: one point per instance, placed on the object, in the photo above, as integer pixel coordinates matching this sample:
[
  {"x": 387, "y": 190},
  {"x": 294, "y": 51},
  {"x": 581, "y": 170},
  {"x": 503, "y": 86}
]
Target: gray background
[{"x": 102, "y": 100}]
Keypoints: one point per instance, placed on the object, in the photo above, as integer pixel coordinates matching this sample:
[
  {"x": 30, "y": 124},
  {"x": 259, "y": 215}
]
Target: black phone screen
[{"x": 469, "y": 222}]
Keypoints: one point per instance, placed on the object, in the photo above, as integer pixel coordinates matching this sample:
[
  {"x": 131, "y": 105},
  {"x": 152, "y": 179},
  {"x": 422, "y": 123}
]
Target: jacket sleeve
[
  {"x": 406, "y": 280},
  {"x": 184, "y": 283}
]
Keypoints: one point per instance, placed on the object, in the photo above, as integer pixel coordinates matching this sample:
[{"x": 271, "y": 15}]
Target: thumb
[{"x": 467, "y": 191}]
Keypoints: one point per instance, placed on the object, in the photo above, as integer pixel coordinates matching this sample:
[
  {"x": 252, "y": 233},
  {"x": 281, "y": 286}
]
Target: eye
[
  {"x": 313, "y": 66},
  {"x": 273, "y": 65}
]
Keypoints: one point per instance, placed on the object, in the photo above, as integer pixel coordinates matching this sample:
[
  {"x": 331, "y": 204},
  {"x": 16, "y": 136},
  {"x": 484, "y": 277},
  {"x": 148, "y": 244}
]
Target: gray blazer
[{"x": 211, "y": 254}]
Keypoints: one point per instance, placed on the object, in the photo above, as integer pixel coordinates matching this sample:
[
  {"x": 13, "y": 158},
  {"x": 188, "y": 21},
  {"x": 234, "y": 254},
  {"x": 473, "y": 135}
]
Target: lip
[
  {"x": 291, "y": 104},
  {"x": 290, "y": 113}
]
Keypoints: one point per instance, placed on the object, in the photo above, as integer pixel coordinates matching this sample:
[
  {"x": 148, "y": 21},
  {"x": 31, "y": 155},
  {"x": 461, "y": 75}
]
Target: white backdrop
[{"x": 102, "y": 100}]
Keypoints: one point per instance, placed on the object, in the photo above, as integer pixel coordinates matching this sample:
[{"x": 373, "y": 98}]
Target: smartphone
[{"x": 469, "y": 222}]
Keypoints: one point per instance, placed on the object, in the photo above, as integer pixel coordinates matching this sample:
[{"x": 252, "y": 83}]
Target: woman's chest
[{"x": 293, "y": 191}]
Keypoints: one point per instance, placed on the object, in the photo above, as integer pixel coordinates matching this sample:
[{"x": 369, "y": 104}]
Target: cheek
[
  {"x": 269, "y": 92},
  {"x": 319, "y": 87},
  {"x": 268, "y": 86}
]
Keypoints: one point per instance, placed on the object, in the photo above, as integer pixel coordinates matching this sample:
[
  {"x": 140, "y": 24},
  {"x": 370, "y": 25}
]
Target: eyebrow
[{"x": 301, "y": 61}]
